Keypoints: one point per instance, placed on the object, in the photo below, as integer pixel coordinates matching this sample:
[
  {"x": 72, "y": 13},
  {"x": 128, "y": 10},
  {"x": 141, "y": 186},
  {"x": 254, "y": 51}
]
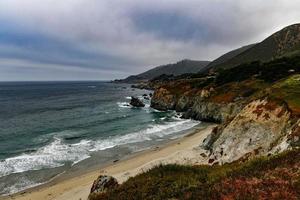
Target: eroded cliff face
[
  {"x": 212, "y": 112},
  {"x": 195, "y": 105},
  {"x": 163, "y": 99},
  {"x": 248, "y": 127},
  {"x": 258, "y": 129}
]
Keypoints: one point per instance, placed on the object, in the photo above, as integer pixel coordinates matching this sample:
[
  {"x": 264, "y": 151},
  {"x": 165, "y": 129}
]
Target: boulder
[
  {"x": 102, "y": 184},
  {"x": 136, "y": 102}
]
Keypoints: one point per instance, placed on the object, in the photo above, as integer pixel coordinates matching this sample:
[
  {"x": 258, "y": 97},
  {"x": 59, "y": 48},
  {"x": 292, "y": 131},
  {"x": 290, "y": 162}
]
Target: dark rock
[
  {"x": 150, "y": 94},
  {"x": 144, "y": 95},
  {"x": 136, "y": 102},
  {"x": 203, "y": 155},
  {"x": 146, "y": 98},
  {"x": 102, "y": 184}
]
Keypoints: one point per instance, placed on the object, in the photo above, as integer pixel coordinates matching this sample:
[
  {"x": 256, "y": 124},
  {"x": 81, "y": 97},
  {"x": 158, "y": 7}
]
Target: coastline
[{"x": 185, "y": 150}]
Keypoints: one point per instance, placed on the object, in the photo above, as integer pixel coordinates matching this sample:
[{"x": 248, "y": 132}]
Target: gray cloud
[{"x": 110, "y": 39}]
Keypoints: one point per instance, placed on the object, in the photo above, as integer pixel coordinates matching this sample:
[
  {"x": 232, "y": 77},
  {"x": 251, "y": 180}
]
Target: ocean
[{"x": 50, "y": 128}]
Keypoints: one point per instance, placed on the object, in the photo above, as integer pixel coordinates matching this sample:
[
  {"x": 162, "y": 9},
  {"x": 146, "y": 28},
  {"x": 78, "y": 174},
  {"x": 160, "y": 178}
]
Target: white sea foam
[
  {"x": 128, "y": 98},
  {"x": 154, "y": 110},
  {"x": 49, "y": 156},
  {"x": 57, "y": 152},
  {"x": 147, "y": 105},
  {"x": 124, "y": 105},
  {"x": 21, "y": 184},
  {"x": 153, "y": 132},
  {"x": 91, "y": 86}
]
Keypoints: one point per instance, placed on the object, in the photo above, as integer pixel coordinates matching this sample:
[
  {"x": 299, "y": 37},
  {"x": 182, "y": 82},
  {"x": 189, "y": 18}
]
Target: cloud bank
[{"x": 100, "y": 40}]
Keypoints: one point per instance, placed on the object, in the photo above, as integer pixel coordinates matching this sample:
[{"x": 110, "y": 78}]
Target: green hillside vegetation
[
  {"x": 269, "y": 71},
  {"x": 275, "y": 177},
  {"x": 289, "y": 91}
]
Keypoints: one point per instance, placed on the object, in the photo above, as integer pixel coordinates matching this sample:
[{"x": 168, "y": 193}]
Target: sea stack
[{"x": 136, "y": 102}]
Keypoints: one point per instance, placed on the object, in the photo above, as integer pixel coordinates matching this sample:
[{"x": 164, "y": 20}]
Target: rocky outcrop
[
  {"x": 102, "y": 184},
  {"x": 136, "y": 102},
  {"x": 258, "y": 129},
  {"x": 248, "y": 127},
  {"x": 163, "y": 99},
  {"x": 212, "y": 112},
  {"x": 195, "y": 106}
]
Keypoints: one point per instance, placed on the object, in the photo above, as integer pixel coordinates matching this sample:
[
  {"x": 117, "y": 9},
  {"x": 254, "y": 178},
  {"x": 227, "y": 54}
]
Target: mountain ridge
[
  {"x": 178, "y": 68},
  {"x": 282, "y": 42},
  {"x": 227, "y": 56}
]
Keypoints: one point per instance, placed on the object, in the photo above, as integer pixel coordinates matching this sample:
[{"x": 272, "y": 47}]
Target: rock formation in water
[{"x": 136, "y": 102}]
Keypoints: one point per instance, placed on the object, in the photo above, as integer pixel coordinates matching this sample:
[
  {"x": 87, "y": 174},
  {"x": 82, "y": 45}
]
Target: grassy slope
[
  {"x": 288, "y": 90},
  {"x": 276, "y": 177}
]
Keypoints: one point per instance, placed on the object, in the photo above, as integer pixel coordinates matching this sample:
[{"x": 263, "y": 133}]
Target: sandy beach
[{"x": 185, "y": 150}]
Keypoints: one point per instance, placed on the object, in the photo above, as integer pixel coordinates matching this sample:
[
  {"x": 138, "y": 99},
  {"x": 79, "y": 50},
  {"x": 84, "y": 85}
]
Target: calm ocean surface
[{"x": 47, "y": 128}]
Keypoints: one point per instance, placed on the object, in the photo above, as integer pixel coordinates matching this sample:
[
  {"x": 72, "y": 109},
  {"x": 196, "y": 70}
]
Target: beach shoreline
[{"x": 184, "y": 150}]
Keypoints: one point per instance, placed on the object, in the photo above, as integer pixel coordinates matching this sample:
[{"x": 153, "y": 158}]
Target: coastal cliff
[{"x": 256, "y": 117}]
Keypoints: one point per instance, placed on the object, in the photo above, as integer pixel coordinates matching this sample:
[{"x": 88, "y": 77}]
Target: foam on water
[
  {"x": 52, "y": 155},
  {"x": 154, "y": 131},
  {"x": 21, "y": 185},
  {"x": 57, "y": 153},
  {"x": 124, "y": 105},
  {"x": 91, "y": 86}
]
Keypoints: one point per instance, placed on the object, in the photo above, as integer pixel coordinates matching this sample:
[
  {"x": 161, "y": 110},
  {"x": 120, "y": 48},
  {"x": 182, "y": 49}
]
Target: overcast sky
[{"x": 108, "y": 39}]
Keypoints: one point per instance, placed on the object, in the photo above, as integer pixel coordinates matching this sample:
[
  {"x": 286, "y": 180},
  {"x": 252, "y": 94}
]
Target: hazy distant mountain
[
  {"x": 181, "y": 67},
  {"x": 227, "y": 56},
  {"x": 283, "y": 42}
]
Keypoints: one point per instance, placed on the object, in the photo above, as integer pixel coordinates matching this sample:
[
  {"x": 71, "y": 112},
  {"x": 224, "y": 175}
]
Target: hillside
[
  {"x": 181, "y": 67},
  {"x": 283, "y": 42},
  {"x": 276, "y": 177},
  {"x": 227, "y": 56}
]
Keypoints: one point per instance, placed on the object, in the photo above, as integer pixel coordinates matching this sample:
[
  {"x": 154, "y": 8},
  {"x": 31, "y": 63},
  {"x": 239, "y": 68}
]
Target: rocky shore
[{"x": 249, "y": 125}]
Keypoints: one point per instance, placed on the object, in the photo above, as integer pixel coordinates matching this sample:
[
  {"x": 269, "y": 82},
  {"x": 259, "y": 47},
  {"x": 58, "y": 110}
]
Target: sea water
[{"x": 49, "y": 128}]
